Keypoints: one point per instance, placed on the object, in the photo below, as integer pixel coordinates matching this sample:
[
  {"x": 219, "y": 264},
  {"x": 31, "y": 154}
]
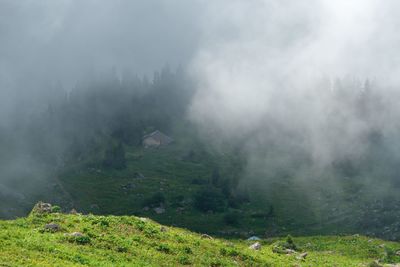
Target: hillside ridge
[{"x": 50, "y": 238}]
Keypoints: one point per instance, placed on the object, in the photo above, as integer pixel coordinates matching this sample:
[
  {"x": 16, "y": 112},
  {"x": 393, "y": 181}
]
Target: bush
[
  {"x": 122, "y": 249},
  {"x": 187, "y": 250},
  {"x": 55, "y": 209},
  {"x": 81, "y": 240},
  {"x": 114, "y": 157},
  {"x": 229, "y": 252},
  {"x": 155, "y": 200},
  {"x": 290, "y": 243},
  {"x": 163, "y": 248},
  {"x": 389, "y": 256},
  {"x": 184, "y": 260},
  {"x": 282, "y": 247},
  {"x": 231, "y": 218},
  {"x": 177, "y": 201},
  {"x": 209, "y": 200}
]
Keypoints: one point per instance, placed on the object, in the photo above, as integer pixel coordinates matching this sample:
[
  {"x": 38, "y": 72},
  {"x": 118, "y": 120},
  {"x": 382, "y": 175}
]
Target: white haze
[
  {"x": 45, "y": 42},
  {"x": 262, "y": 62},
  {"x": 266, "y": 72}
]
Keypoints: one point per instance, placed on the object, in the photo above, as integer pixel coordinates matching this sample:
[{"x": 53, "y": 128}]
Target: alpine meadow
[{"x": 200, "y": 133}]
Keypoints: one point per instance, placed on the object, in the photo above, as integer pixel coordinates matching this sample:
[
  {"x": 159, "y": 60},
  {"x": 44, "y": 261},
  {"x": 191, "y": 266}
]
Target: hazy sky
[
  {"x": 263, "y": 62},
  {"x": 65, "y": 37},
  {"x": 62, "y": 38},
  {"x": 258, "y": 64},
  {"x": 251, "y": 59}
]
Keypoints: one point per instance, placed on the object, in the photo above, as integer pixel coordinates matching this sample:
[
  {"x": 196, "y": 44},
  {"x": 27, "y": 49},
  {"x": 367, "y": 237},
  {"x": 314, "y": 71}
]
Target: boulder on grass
[
  {"x": 256, "y": 246},
  {"x": 159, "y": 210},
  {"x": 52, "y": 227},
  {"x": 42, "y": 208}
]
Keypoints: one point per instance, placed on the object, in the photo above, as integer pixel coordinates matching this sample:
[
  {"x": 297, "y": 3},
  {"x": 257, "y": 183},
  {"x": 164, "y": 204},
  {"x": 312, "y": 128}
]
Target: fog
[
  {"x": 283, "y": 59},
  {"x": 47, "y": 48},
  {"x": 304, "y": 89},
  {"x": 309, "y": 91},
  {"x": 62, "y": 41},
  {"x": 266, "y": 62}
]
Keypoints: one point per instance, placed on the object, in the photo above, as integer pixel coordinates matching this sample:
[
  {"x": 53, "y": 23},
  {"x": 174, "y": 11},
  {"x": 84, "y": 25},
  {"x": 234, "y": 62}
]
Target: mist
[
  {"x": 49, "y": 49},
  {"x": 306, "y": 92},
  {"x": 63, "y": 41},
  {"x": 289, "y": 63}
]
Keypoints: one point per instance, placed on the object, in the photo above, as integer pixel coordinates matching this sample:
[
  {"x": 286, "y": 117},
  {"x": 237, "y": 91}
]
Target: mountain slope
[{"x": 89, "y": 240}]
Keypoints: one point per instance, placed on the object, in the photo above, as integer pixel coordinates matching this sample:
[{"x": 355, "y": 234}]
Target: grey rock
[
  {"x": 289, "y": 251},
  {"x": 73, "y": 211},
  {"x": 128, "y": 187},
  {"x": 76, "y": 234},
  {"x": 42, "y": 207},
  {"x": 206, "y": 236},
  {"x": 139, "y": 175},
  {"x": 302, "y": 256},
  {"x": 159, "y": 210},
  {"x": 256, "y": 246},
  {"x": 52, "y": 227}
]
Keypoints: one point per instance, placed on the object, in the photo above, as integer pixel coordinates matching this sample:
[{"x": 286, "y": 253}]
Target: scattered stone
[
  {"x": 159, "y": 210},
  {"x": 253, "y": 238},
  {"x": 146, "y": 208},
  {"x": 381, "y": 246},
  {"x": 73, "y": 211},
  {"x": 128, "y": 187},
  {"x": 163, "y": 229},
  {"x": 52, "y": 227},
  {"x": 302, "y": 256},
  {"x": 256, "y": 246},
  {"x": 289, "y": 251},
  {"x": 370, "y": 240},
  {"x": 397, "y": 253},
  {"x": 206, "y": 236},
  {"x": 78, "y": 238},
  {"x": 139, "y": 175},
  {"x": 76, "y": 234},
  {"x": 42, "y": 208}
]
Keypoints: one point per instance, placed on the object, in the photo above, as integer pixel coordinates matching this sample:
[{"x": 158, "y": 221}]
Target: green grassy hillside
[
  {"x": 89, "y": 240},
  {"x": 174, "y": 175},
  {"x": 165, "y": 172}
]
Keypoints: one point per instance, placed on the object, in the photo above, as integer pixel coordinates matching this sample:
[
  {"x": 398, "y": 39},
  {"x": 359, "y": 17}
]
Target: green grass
[
  {"x": 166, "y": 172},
  {"x": 134, "y": 241},
  {"x": 302, "y": 204}
]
